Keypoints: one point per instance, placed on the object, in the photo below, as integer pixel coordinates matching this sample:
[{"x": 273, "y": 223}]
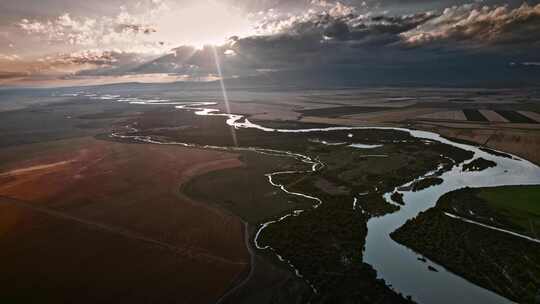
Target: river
[{"x": 396, "y": 264}]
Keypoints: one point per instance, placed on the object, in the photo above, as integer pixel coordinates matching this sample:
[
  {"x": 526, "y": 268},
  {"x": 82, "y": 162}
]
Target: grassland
[
  {"x": 88, "y": 220},
  {"x": 49, "y": 259},
  {"x": 479, "y": 164},
  {"x": 520, "y": 205},
  {"x": 103, "y": 186},
  {"x": 60, "y": 120},
  {"x": 256, "y": 198}
]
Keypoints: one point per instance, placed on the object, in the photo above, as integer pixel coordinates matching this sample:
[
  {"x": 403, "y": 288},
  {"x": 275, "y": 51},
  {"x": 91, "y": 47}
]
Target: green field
[
  {"x": 520, "y": 204},
  {"x": 258, "y": 199}
]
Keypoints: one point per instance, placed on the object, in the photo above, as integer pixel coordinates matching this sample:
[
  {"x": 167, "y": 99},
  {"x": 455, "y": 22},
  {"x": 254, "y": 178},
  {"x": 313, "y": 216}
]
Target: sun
[{"x": 202, "y": 23}]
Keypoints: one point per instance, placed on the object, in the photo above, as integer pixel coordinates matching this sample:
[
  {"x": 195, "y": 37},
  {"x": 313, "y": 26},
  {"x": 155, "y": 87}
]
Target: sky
[{"x": 65, "y": 42}]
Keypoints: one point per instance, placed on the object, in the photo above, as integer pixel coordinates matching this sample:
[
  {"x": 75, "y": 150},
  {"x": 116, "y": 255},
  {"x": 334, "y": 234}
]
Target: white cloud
[
  {"x": 11, "y": 57},
  {"x": 272, "y": 22},
  {"x": 480, "y": 25},
  {"x": 152, "y": 26},
  {"x": 124, "y": 31}
]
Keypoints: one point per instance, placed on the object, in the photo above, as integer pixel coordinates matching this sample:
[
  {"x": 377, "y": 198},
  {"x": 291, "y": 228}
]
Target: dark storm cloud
[
  {"x": 341, "y": 35},
  {"x": 378, "y": 6},
  {"x": 470, "y": 22},
  {"x": 346, "y": 24}
]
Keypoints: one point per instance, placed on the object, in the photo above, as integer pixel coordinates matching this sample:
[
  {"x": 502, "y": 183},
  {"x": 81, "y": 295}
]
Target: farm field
[{"x": 121, "y": 214}]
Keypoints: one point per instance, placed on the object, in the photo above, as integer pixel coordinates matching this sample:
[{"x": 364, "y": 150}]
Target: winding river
[
  {"x": 399, "y": 265},
  {"x": 396, "y": 264}
]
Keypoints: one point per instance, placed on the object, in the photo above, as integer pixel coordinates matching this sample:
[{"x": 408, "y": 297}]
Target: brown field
[
  {"x": 521, "y": 142},
  {"x": 532, "y": 115},
  {"x": 337, "y": 121},
  {"x": 114, "y": 212},
  {"x": 493, "y": 116},
  {"x": 389, "y": 115},
  {"x": 445, "y": 115},
  {"x": 263, "y": 111}
]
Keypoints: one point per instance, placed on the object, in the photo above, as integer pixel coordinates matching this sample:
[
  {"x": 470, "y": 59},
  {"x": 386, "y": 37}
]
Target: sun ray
[{"x": 224, "y": 92}]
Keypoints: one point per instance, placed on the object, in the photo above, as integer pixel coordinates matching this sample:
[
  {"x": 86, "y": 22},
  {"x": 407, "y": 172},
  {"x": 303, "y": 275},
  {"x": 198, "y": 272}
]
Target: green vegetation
[
  {"x": 518, "y": 204},
  {"x": 501, "y": 262},
  {"x": 496, "y": 153},
  {"x": 326, "y": 246},
  {"x": 479, "y": 164},
  {"x": 256, "y": 199},
  {"x": 61, "y": 120},
  {"x": 398, "y": 198},
  {"x": 426, "y": 183},
  {"x": 515, "y": 208}
]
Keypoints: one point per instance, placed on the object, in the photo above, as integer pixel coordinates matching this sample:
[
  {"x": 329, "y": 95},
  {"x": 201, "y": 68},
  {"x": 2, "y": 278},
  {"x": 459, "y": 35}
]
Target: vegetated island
[
  {"x": 479, "y": 164},
  {"x": 426, "y": 183},
  {"x": 397, "y": 197}
]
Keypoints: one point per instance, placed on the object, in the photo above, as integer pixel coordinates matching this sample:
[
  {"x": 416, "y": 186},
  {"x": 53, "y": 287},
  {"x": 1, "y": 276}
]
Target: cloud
[
  {"x": 135, "y": 28},
  {"x": 123, "y": 31},
  {"x": 336, "y": 21},
  {"x": 93, "y": 57},
  {"x": 332, "y": 34},
  {"x": 475, "y": 26},
  {"x": 82, "y": 63},
  {"x": 12, "y": 57},
  {"x": 64, "y": 29},
  {"x": 352, "y": 41},
  {"x": 92, "y": 62}
]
